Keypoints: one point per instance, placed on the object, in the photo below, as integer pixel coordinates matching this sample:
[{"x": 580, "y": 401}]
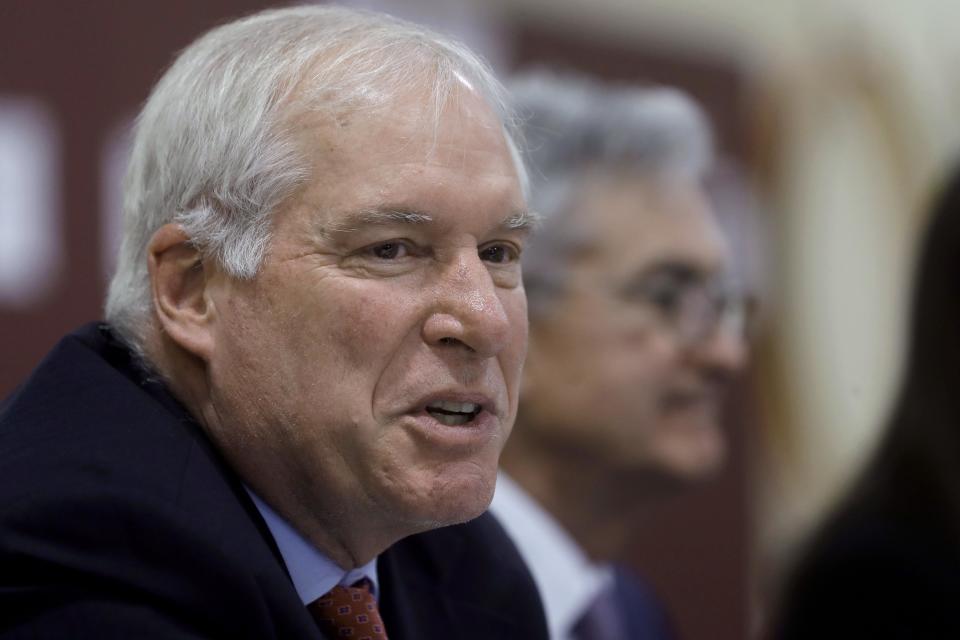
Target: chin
[
  {"x": 698, "y": 461},
  {"x": 693, "y": 446},
  {"x": 451, "y": 498}
]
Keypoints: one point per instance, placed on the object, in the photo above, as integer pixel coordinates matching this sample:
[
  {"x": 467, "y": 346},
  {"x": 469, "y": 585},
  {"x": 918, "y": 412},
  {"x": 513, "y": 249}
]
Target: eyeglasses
[{"x": 691, "y": 307}]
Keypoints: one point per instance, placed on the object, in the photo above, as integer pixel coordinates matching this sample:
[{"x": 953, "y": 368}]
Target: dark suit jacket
[
  {"x": 643, "y": 615},
  {"x": 118, "y": 519}
]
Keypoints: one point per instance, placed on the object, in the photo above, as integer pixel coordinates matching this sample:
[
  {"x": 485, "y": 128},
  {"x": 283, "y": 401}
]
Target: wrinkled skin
[{"x": 322, "y": 365}]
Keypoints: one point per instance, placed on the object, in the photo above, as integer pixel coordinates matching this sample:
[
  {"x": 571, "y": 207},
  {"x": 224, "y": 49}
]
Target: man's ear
[{"x": 179, "y": 284}]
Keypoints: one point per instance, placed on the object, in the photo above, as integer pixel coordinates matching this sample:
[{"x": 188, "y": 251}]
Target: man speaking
[{"x": 312, "y": 352}]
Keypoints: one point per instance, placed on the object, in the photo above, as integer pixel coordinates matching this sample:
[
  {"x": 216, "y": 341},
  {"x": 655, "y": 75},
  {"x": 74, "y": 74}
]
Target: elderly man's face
[
  {"x": 373, "y": 364},
  {"x": 610, "y": 378}
]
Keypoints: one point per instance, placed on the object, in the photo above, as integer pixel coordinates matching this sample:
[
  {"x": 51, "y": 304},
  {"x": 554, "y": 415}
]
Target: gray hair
[
  {"x": 573, "y": 125},
  {"x": 215, "y": 148}
]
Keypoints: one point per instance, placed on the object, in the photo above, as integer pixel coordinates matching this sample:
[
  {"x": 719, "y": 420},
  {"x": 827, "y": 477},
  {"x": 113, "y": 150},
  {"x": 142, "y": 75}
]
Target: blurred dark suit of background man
[
  {"x": 636, "y": 329},
  {"x": 313, "y": 348}
]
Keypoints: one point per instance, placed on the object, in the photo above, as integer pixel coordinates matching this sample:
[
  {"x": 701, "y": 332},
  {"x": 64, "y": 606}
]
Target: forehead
[
  {"x": 631, "y": 221},
  {"x": 411, "y": 154}
]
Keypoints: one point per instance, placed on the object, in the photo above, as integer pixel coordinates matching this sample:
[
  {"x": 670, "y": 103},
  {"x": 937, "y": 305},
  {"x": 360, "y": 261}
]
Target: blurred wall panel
[{"x": 90, "y": 64}]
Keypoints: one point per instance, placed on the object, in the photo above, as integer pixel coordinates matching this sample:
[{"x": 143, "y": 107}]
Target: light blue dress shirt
[{"x": 313, "y": 573}]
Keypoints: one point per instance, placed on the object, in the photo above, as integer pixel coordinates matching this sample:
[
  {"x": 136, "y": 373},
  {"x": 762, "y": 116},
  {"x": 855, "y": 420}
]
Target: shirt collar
[
  {"x": 568, "y": 581},
  {"x": 312, "y": 572}
]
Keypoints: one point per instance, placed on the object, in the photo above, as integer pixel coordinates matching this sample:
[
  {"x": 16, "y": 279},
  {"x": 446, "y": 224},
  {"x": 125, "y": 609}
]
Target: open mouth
[
  {"x": 453, "y": 414},
  {"x": 695, "y": 397}
]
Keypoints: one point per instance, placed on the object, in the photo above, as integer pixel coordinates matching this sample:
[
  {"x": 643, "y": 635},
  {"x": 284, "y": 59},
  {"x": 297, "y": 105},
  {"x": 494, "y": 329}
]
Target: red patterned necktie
[{"x": 349, "y": 612}]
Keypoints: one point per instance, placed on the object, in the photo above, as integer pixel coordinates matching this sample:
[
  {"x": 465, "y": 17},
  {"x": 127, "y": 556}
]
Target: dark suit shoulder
[
  {"x": 475, "y": 576},
  {"x": 114, "y": 501},
  {"x": 88, "y": 430},
  {"x": 644, "y": 614}
]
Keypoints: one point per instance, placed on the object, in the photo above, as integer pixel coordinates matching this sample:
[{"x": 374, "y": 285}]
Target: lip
[
  {"x": 476, "y": 433},
  {"x": 690, "y": 398},
  {"x": 485, "y": 401}
]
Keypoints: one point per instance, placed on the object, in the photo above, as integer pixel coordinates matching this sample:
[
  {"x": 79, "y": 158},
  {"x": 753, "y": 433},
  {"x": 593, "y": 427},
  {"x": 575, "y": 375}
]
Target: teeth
[
  {"x": 451, "y": 420},
  {"x": 453, "y": 414},
  {"x": 454, "y": 407}
]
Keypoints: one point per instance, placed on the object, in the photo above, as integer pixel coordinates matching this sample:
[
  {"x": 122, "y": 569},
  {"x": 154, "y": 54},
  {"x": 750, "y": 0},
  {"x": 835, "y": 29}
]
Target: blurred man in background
[{"x": 637, "y": 327}]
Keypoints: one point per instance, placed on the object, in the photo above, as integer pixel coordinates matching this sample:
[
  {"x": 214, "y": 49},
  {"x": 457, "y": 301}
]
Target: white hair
[
  {"x": 215, "y": 148},
  {"x": 573, "y": 126}
]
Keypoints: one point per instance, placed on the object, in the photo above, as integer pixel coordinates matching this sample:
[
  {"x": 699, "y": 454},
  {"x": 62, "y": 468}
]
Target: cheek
[
  {"x": 647, "y": 353},
  {"x": 246, "y": 341},
  {"x": 362, "y": 326},
  {"x": 618, "y": 376},
  {"x": 515, "y": 308}
]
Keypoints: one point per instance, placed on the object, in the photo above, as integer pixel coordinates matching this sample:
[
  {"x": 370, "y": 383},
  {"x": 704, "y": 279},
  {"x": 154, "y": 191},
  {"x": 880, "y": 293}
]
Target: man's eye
[
  {"x": 664, "y": 295},
  {"x": 499, "y": 253},
  {"x": 667, "y": 299},
  {"x": 390, "y": 250}
]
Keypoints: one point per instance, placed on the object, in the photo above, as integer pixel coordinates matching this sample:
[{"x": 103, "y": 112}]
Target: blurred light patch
[{"x": 31, "y": 237}]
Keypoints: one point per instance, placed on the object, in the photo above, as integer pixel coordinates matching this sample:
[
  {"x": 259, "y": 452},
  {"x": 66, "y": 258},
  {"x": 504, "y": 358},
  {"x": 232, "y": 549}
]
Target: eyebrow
[
  {"x": 391, "y": 215},
  {"x": 521, "y": 220},
  {"x": 684, "y": 273},
  {"x": 677, "y": 271},
  {"x": 675, "y": 268},
  {"x": 354, "y": 220}
]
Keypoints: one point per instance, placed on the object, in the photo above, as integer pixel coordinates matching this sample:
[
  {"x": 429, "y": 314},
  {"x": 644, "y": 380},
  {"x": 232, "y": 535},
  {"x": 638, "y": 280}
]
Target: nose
[
  {"x": 468, "y": 313},
  {"x": 723, "y": 351}
]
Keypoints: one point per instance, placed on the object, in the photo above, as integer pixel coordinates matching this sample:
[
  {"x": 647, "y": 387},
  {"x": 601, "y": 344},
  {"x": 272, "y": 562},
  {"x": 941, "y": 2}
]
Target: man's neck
[{"x": 312, "y": 572}]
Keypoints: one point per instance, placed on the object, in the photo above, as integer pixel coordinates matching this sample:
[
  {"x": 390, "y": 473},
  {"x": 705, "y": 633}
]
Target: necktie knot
[{"x": 349, "y": 612}]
